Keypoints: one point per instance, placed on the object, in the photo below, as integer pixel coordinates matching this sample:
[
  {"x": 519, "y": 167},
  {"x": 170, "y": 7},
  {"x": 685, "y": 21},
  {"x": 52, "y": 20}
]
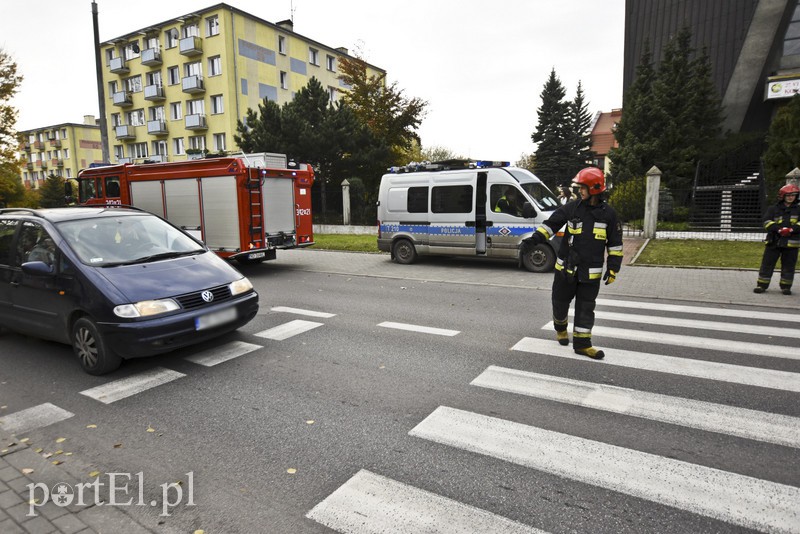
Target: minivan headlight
[
  {"x": 145, "y": 308},
  {"x": 240, "y": 286}
]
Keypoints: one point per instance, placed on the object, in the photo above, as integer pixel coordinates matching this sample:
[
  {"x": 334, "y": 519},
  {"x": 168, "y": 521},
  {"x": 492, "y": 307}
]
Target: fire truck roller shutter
[
  {"x": 279, "y": 209},
  {"x": 221, "y": 213},
  {"x": 148, "y": 196},
  {"x": 183, "y": 205}
]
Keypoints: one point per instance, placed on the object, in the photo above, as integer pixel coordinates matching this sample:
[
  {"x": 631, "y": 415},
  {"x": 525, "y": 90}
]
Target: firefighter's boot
[
  {"x": 786, "y": 286},
  {"x": 562, "y": 337},
  {"x": 761, "y": 285},
  {"x": 591, "y": 352}
]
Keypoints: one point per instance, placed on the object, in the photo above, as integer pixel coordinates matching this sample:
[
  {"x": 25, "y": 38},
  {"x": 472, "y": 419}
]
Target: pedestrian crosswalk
[{"x": 370, "y": 502}]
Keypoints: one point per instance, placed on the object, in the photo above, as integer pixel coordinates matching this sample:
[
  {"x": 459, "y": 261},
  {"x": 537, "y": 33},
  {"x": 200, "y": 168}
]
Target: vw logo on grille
[{"x": 208, "y": 296}]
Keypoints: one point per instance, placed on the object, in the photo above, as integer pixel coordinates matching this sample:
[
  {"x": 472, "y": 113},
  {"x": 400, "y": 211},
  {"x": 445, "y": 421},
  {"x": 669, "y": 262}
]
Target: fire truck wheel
[
  {"x": 539, "y": 258},
  {"x": 95, "y": 357},
  {"x": 404, "y": 252}
]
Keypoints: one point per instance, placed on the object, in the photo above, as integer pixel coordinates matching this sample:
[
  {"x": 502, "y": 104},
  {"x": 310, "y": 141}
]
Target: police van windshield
[{"x": 537, "y": 190}]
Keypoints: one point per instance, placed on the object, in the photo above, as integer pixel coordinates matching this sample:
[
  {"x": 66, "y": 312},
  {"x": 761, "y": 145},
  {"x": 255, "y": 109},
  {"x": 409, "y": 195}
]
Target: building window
[
  {"x": 332, "y": 94},
  {"x": 195, "y": 107},
  {"x": 151, "y": 43},
  {"x": 330, "y": 63},
  {"x": 109, "y": 56},
  {"x": 791, "y": 43},
  {"x": 157, "y": 113},
  {"x": 313, "y": 56},
  {"x": 175, "y": 111},
  {"x": 113, "y": 87},
  {"x": 69, "y": 173},
  {"x": 171, "y": 36},
  {"x": 212, "y": 26},
  {"x": 284, "y": 80},
  {"x": 173, "y": 76},
  {"x": 197, "y": 142},
  {"x": 282, "y": 45},
  {"x": 193, "y": 69},
  {"x": 131, "y": 50},
  {"x": 216, "y": 105},
  {"x": 214, "y": 66},
  {"x": 177, "y": 146},
  {"x": 133, "y": 84},
  {"x": 138, "y": 150},
  {"x": 219, "y": 142},
  {"x": 153, "y": 78},
  {"x": 191, "y": 30},
  {"x": 135, "y": 117},
  {"x": 66, "y": 153},
  {"x": 160, "y": 148},
  {"x": 116, "y": 120}
]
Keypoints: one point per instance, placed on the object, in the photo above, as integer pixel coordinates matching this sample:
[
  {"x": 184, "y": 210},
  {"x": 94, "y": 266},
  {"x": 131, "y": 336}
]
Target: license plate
[
  {"x": 256, "y": 255},
  {"x": 215, "y": 319}
]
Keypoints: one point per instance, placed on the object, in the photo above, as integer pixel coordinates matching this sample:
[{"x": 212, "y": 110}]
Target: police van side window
[
  {"x": 7, "y": 228},
  {"x": 417, "y": 200},
  {"x": 451, "y": 199}
]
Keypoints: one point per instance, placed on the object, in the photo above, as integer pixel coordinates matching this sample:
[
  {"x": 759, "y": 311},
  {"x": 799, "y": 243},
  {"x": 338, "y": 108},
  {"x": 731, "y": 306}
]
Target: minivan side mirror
[
  {"x": 37, "y": 268},
  {"x": 528, "y": 211}
]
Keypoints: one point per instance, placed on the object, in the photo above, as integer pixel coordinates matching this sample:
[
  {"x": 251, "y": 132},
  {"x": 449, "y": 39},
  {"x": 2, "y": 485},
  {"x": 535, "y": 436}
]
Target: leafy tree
[
  {"x": 526, "y": 161},
  {"x": 783, "y": 144},
  {"x": 11, "y": 190},
  {"x": 554, "y": 144},
  {"x": 384, "y": 109},
  {"x": 579, "y": 132},
  {"x": 52, "y": 192}
]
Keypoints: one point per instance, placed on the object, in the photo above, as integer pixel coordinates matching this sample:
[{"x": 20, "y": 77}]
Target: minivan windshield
[
  {"x": 107, "y": 241},
  {"x": 536, "y": 190}
]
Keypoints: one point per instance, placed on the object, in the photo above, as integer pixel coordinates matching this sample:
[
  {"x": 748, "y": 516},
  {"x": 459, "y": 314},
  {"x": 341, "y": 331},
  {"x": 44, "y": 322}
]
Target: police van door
[
  {"x": 452, "y": 228},
  {"x": 505, "y": 203}
]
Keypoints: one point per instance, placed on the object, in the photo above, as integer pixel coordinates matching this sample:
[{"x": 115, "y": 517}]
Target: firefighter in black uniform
[
  {"x": 592, "y": 228},
  {"x": 783, "y": 240}
]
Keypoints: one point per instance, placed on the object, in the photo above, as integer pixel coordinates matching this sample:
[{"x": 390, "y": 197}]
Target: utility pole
[{"x": 101, "y": 94}]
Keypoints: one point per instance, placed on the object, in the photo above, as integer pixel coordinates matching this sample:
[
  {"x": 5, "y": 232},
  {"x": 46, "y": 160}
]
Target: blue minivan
[{"x": 115, "y": 283}]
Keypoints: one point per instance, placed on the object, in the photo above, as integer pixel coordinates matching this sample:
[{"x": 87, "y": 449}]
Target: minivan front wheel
[
  {"x": 89, "y": 346},
  {"x": 404, "y": 252},
  {"x": 539, "y": 258}
]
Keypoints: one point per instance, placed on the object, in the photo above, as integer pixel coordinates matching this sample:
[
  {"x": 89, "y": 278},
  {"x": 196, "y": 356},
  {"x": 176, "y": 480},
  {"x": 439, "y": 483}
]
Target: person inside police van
[{"x": 510, "y": 202}]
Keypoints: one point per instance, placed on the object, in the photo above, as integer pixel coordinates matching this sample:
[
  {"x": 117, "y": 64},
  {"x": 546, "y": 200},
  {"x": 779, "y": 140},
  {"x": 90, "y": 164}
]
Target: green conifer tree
[{"x": 554, "y": 144}]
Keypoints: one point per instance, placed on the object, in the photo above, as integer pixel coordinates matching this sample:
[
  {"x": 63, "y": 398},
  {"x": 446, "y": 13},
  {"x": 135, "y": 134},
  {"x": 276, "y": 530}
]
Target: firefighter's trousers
[
  {"x": 788, "y": 257},
  {"x": 566, "y": 288}
]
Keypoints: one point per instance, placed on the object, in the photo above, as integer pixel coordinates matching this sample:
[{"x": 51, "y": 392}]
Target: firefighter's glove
[
  {"x": 785, "y": 231},
  {"x": 610, "y": 276},
  {"x": 532, "y": 241}
]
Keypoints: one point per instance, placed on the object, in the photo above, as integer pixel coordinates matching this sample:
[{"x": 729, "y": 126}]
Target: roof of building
[{"x": 603, "y": 132}]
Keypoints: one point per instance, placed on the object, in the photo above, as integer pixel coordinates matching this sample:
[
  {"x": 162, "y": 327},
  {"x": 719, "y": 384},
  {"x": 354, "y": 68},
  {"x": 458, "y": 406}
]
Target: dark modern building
[{"x": 753, "y": 45}]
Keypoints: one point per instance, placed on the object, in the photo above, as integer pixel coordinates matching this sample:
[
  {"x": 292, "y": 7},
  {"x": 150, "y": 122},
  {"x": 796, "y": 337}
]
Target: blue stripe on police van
[{"x": 433, "y": 230}]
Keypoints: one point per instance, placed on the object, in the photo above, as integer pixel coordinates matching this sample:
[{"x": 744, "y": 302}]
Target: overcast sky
[{"x": 479, "y": 64}]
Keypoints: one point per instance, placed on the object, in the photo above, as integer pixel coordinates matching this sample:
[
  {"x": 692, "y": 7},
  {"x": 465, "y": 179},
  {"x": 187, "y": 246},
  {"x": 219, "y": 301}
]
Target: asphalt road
[{"x": 364, "y": 403}]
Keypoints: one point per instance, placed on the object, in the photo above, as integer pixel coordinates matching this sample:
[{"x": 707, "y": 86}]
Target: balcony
[
  {"x": 57, "y": 162},
  {"x": 191, "y": 46},
  {"x": 118, "y": 66},
  {"x": 157, "y": 127},
  {"x": 151, "y": 57},
  {"x": 124, "y": 131},
  {"x": 196, "y": 122},
  {"x": 122, "y": 99},
  {"x": 154, "y": 93},
  {"x": 122, "y": 161},
  {"x": 156, "y": 158},
  {"x": 25, "y": 146},
  {"x": 29, "y": 165},
  {"x": 55, "y": 143},
  {"x": 38, "y": 145},
  {"x": 193, "y": 84},
  {"x": 41, "y": 164}
]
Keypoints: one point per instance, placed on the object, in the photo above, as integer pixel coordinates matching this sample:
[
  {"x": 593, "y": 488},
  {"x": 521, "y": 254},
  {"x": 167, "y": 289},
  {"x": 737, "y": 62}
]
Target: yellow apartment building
[
  {"x": 61, "y": 149},
  {"x": 177, "y": 88}
]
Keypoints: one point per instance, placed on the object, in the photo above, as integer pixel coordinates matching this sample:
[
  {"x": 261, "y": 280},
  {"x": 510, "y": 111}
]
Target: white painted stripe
[
  {"x": 422, "y": 329},
  {"x": 217, "y": 355},
  {"x": 723, "y": 345},
  {"x": 741, "y": 422},
  {"x": 287, "y": 330},
  {"x": 730, "y": 497},
  {"x": 299, "y": 311},
  {"x": 724, "y": 372},
  {"x": 132, "y": 385},
  {"x": 736, "y": 328},
  {"x": 372, "y": 504},
  {"x": 717, "y": 312},
  {"x": 33, "y": 417}
]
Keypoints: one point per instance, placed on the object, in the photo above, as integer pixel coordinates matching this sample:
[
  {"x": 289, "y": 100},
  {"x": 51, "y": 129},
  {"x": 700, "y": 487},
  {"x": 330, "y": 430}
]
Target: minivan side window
[
  {"x": 417, "y": 200},
  {"x": 7, "y": 228},
  {"x": 451, "y": 199},
  {"x": 35, "y": 244}
]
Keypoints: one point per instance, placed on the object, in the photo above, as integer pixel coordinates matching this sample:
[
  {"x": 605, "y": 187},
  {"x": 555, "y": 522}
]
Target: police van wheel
[
  {"x": 539, "y": 259},
  {"x": 404, "y": 252}
]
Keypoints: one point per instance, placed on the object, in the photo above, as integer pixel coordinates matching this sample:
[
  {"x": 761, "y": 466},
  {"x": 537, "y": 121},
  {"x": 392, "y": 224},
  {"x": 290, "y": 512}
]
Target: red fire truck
[{"x": 240, "y": 211}]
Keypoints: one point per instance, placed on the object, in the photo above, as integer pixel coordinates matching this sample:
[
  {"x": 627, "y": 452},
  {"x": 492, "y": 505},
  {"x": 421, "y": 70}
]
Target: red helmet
[
  {"x": 593, "y": 178},
  {"x": 789, "y": 189}
]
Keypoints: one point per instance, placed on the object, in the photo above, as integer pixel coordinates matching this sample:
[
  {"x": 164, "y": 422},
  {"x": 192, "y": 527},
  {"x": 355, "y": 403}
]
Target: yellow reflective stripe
[
  {"x": 560, "y": 321},
  {"x": 559, "y": 267},
  {"x": 615, "y": 253},
  {"x": 599, "y": 233},
  {"x": 545, "y": 231},
  {"x": 582, "y": 334},
  {"x": 575, "y": 231},
  {"x": 594, "y": 276}
]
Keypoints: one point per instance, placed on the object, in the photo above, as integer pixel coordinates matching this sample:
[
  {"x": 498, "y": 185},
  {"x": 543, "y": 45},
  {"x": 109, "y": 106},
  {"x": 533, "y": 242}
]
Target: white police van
[{"x": 464, "y": 208}]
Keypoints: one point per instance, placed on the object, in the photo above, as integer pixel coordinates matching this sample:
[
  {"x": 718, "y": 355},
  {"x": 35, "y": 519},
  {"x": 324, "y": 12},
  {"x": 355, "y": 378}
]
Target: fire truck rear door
[{"x": 279, "y": 209}]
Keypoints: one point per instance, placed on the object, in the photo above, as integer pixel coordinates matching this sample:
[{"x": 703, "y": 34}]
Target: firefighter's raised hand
[
  {"x": 785, "y": 231},
  {"x": 610, "y": 276}
]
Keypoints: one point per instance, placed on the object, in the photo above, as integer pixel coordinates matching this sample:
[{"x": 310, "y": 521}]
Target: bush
[{"x": 627, "y": 199}]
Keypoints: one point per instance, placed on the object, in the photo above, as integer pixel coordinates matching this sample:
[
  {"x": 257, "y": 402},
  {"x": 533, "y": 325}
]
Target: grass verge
[
  {"x": 352, "y": 243},
  {"x": 702, "y": 253}
]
